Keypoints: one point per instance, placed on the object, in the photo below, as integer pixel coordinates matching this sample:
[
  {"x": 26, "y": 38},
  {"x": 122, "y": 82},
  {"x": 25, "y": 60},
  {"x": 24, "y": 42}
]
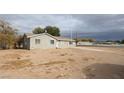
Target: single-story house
[{"x": 45, "y": 41}]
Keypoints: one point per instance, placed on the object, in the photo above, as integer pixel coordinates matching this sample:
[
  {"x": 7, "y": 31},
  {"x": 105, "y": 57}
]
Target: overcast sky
[{"x": 85, "y": 25}]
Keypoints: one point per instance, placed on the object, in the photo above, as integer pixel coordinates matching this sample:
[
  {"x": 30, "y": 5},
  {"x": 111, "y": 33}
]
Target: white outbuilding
[{"x": 84, "y": 43}]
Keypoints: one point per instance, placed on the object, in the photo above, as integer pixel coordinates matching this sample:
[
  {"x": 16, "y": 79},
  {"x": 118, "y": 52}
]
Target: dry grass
[
  {"x": 25, "y": 63},
  {"x": 16, "y": 65},
  {"x": 53, "y": 63},
  {"x": 62, "y": 63},
  {"x": 11, "y": 55}
]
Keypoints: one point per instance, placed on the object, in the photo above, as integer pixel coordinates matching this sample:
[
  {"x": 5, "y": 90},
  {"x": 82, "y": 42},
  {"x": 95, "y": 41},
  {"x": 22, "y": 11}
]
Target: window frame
[
  {"x": 70, "y": 42},
  {"x": 52, "y": 42},
  {"x": 37, "y": 41}
]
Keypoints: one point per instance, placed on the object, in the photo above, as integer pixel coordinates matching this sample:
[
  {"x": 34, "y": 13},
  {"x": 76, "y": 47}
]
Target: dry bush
[
  {"x": 64, "y": 54},
  {"x": 72, "y": 60},
  {"x": 60, "y": 76},
  {"x": 88, "y": 58}
]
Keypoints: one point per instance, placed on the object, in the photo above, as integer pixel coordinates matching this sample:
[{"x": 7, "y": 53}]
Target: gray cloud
[{"x": 81, "y": 23}]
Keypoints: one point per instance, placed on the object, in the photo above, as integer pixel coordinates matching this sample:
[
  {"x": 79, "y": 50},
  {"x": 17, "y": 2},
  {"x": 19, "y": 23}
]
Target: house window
[
  {"x": 37, "y": 41},
  {"x": 51, "y": 41},
  {"x": 70, "y": 43}
]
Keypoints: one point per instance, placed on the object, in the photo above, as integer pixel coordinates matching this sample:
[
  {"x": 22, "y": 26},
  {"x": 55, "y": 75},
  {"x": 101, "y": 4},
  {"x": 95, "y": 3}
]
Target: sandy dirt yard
[{"x": 72, "y": 63}]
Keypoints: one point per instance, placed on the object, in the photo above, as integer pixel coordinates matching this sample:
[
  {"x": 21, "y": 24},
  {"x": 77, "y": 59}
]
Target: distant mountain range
[{"x": 115, "y": 35}]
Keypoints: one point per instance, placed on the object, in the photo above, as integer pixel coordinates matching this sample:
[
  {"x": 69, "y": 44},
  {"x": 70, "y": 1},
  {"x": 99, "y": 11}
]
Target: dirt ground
[{"x": 71, "y": 63}]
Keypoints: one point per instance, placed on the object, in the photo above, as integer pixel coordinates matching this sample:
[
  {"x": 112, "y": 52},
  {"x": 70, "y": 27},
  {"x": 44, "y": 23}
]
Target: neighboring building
[
  {"x": 105, "y": 43},
  {"x": 84, "y": 43},
  {"x": 45, "y": 41}
]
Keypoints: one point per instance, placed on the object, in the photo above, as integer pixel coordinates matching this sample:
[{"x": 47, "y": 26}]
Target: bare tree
[{"x": 7, "y": 35}]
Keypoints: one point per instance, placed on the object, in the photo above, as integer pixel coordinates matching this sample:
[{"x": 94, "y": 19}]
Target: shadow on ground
[{"x": 104, "y": 71}]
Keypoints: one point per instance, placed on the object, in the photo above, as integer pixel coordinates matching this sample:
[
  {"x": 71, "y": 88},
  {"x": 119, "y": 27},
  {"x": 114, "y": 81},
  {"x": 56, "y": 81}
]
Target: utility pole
[
  {"x": 71, "y": 35},
  {"x": 76, "y": 38},
  {"x": 71, "y": 30}
]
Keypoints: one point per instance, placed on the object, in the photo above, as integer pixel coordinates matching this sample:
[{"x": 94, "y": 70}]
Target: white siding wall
[
  {"x": 66, "y": 44},
  {"x": 44, "y": 42},
  {"x": 73, "y": 45},
  {"x": 63, "y": 44}
]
